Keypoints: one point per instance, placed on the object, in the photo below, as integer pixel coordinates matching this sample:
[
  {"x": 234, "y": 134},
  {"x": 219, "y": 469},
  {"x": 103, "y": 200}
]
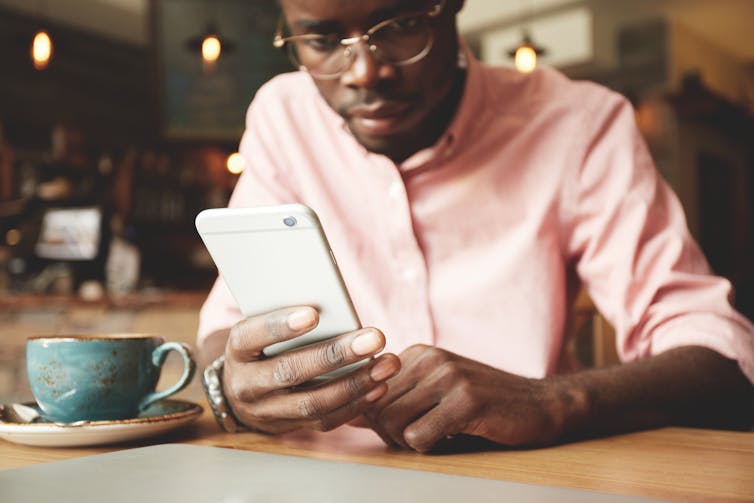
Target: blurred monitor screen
[{"x": 70, "y": 234}]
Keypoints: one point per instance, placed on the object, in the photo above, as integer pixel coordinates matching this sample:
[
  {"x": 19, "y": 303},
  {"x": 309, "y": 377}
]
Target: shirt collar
[{"x": 468, "y": 116}]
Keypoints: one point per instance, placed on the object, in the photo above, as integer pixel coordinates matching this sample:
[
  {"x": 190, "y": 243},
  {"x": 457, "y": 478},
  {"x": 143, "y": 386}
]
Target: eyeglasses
[{"x": 399, "y": 41}]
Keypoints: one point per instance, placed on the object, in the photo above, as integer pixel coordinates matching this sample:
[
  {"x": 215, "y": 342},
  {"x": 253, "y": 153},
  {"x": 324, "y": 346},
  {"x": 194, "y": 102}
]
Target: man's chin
[
  {"x": 396, "y": 138},
  {"x": 382, "y": 146},
  {"x": 391, "y": 146}
]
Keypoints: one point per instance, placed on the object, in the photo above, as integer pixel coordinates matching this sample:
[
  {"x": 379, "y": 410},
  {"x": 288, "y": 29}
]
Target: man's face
[{"x": 390, "y": 109}]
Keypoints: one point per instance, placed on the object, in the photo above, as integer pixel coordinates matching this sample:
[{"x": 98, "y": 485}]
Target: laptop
[{"x": 189, "y": 473}]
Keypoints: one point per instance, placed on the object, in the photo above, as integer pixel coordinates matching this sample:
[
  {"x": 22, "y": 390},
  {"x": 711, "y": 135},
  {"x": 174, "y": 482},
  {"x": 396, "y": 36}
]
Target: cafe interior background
[{"x": 117, "y": 129}]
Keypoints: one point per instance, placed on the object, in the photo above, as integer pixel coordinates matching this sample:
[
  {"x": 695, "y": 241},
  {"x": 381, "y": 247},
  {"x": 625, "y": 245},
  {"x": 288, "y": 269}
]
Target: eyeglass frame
[{"x": 434, "y": 12}]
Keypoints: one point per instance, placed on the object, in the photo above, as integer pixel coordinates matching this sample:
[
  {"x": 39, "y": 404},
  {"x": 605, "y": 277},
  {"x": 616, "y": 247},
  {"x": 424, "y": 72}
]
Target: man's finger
[
  {"x": 349, "y": 411},
  {"x": 244, "y": 413},
  {"x": 315, "y": 404},
  {"x": 360, "y": 422},
  {"x": 249, "y": 337},
  {"x": 445, "y": 419},
  {"x": 300, "y": 366},
  {"x": 395, "y": 417}
]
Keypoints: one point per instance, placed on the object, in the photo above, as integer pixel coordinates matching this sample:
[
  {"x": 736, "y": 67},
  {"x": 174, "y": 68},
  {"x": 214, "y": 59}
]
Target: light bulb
[
  {"x": 211, "y": 49},
  {"x": 235, "y": 163},
  {"x": 526, "y": 59},
  {"x": 41, "y": 50}
]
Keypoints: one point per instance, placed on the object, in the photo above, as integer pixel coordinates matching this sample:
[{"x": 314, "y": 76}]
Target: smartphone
[{"x": 278, "y": 256}]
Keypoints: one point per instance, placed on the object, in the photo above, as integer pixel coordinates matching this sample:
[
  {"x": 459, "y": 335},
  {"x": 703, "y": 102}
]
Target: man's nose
[{"x": 366, "y": 69}]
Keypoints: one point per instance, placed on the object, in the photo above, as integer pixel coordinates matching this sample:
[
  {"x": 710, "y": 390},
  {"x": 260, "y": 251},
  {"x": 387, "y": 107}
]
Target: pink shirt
[{"x": 479, "y": 244}]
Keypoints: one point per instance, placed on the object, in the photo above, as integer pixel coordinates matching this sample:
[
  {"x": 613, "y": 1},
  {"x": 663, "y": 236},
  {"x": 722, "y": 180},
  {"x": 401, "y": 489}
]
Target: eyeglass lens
[{"x": 397, "y": 42}]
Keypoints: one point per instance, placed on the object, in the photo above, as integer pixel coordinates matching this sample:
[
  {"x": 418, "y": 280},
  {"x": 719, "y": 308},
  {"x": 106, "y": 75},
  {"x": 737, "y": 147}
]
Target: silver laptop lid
[{"x": 188, "y": 473}]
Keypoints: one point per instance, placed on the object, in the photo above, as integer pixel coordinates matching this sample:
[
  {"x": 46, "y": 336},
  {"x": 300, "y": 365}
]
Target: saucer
[{"x": 159, "y": 418}]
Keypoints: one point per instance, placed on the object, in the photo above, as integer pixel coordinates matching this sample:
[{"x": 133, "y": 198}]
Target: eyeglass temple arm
[{"x": 279, "y": 41}]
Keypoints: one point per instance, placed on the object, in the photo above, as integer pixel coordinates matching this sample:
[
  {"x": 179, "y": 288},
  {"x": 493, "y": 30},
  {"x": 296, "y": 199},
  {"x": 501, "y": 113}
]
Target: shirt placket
[{"x": 410, "y": 292}]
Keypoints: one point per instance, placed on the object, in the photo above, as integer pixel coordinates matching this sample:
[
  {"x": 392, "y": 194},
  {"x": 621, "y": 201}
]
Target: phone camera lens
[{"x": 289, "y": 221}]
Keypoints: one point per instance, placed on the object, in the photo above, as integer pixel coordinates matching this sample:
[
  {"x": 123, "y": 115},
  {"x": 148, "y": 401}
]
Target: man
[{"x": 466, "y": 205}]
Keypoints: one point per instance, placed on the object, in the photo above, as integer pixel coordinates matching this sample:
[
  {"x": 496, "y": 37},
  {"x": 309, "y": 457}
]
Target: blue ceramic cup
[{"x": 100, "y": 377}]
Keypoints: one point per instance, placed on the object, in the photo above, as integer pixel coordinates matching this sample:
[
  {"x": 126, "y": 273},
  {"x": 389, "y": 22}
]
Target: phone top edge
[{"x": 222, "y": 220}]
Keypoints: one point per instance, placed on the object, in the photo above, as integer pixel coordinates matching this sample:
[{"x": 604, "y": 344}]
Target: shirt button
[
  {"x": 395, "y": 190},
  {"x": 410, "y": 274}
]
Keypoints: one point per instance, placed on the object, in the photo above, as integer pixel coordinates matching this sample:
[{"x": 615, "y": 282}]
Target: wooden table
[{"x": 672, "y": 463}]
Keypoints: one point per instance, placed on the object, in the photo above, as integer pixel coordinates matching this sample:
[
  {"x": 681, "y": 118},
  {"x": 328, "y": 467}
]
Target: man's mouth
[{"x": 377, "y": 119}]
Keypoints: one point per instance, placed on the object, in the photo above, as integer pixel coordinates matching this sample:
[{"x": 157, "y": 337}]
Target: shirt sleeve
[
  {"x": 263, "y": 182},
  {"x": 628, "y": 238}
]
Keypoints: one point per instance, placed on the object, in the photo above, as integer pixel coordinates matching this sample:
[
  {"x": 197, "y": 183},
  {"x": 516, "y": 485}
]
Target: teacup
[{"x": 100, "y": 377}]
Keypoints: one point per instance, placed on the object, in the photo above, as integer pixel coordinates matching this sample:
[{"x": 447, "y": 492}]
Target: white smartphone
[{"x": 277, "y": 256}]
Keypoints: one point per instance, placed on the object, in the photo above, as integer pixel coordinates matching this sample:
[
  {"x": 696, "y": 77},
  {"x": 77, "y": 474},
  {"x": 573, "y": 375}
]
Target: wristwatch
[{"x": 213, "y": 388}]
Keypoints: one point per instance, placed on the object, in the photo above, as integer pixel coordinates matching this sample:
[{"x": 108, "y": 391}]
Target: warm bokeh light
[
  {"x": 236, "y": 163},
  {"x": 211, "y": 49},
  {"x": 13, "y": 237},
  {"x": 41, "y": 50},
  {"x": 526, "y": 59}
]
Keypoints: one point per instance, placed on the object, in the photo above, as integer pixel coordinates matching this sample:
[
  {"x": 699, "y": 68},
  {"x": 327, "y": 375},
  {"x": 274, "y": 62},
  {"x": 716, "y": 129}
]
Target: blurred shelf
[{"x": 138, "y": 300}]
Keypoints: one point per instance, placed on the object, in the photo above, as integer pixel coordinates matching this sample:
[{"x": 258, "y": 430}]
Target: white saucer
[{"x": 160, "y": 417}]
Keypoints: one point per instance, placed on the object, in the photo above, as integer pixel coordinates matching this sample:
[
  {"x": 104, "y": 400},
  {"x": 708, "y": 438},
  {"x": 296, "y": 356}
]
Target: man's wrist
[
  {"x": 213, "y": 387},
  {"x": 568, "y": 405}
]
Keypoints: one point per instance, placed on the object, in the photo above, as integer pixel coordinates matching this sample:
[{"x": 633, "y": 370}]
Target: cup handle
[{"x": 158, "y": 359}]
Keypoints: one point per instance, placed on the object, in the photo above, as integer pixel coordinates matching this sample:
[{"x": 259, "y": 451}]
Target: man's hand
[
  {"x": 263, "y": 393},
  {"x": 440, "y": 394}
]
